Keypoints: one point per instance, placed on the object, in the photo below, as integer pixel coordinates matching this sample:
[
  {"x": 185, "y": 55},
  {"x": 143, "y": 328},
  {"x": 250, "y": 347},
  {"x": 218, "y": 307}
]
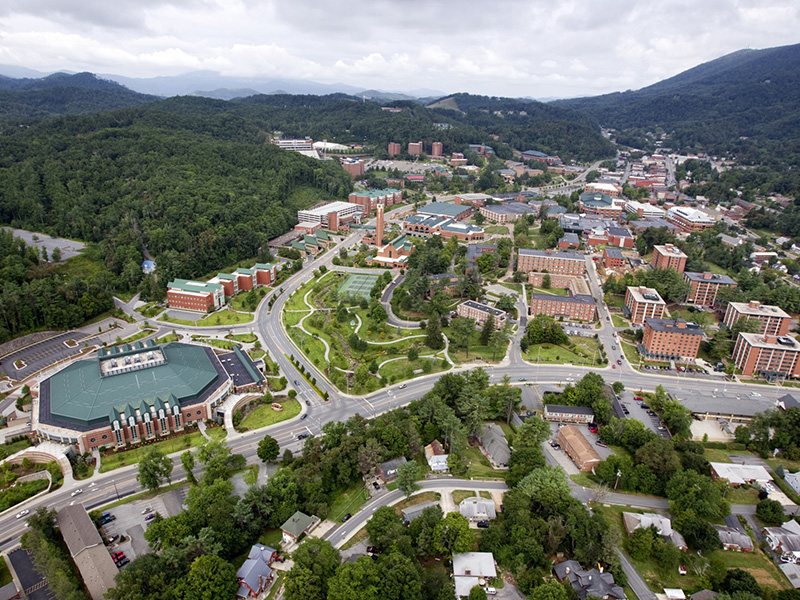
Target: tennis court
[{"x": 357, "y": 286}]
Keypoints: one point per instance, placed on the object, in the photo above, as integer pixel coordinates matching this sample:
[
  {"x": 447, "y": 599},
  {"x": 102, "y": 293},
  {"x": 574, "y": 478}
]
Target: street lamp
[{"x": 115, "y": 488}]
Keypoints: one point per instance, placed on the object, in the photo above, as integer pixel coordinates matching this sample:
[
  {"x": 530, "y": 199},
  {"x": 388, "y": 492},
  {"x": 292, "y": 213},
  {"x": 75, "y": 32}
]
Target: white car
[
  {"x": 76, "y": 492},
  {"x": 22, "y": 513}
]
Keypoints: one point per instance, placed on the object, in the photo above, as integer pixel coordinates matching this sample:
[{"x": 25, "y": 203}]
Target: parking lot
[
  {"x": 593, "y": 438},
  {"x": 636, "y": 411},
  {"x": 130, "y": 521}
]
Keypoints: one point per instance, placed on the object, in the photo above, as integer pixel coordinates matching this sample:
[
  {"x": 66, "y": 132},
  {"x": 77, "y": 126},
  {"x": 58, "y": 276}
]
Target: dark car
[
  {"x": 375, "y": 485},
  {"x": 346, "y": 517},
  {"x": 308, "y": 402},
  {"x": 601, "y": 443},
  {"x": 644, "y": 406},
  {"x": 150, "y": 517},
  {"x": 373, "y": 550},
  {"x": 303, "y": 416},
  {"x": 483, "y": 524},
  {"x": 122, "y": 563},
  {"x": 303, "y": 436}
]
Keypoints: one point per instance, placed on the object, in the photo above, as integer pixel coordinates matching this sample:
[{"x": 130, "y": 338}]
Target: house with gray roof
[
  {"x": 469, "y": 568},
  {"x": 733, "y": 539},
  {"x": 588, "y": 582},
  {"x": 388, "y": 470},
  {"x": 495, "y": 446},
  {"x": 477, "y": 509},
  {"x": 414, "y": 512},
  {"x": 255, "y": 574}
]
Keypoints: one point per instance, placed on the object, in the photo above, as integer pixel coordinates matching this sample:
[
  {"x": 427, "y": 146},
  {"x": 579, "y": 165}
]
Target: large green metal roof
[{"x": 81, "y": 395}]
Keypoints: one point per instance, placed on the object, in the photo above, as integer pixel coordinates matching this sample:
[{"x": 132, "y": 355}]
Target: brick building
[
  {"x": 619, "y": 237},
  {"x": 568, "y": 241},
  {"x": 669, "y": 339},
  {"x": 578, "y": 448},
  {"x": 354, "y": 166},
  {"x": 425, "y": 226},
  {"x": 480, "y": 312},
  {"x": 444, "y": 209},
  {"x": 669, "y": 256},
  {"x": 575, "y": 285},
  {"x": 505, "y": 213},
  {"x": 560, "y": 263},
  {"x": 601, "y": 204},
  {"x": 332, "y": 215},
  {"x": 458, "y": 160},
  {"x": 609, "y": 189},
  {"x": 415, "y": 148},
  {"x": 772, "y": 320},
  {"x": 689, "y": 219},
  {"x": 476, "y": 200},
  {"x": 195, "y": 295},
  {"x": 436, "y": 149},
  {"x": 578, "y": 307},
  {"x": 704, "y": 287},
  {"x": 393, "y": 149},
  {"x": 642, "y": 303},
  {"x": 369, "y": 199},
  {"x": 394, "y": 254},
  {"x": 613, "y": 258},
  {"x": 767, "y": 356}
]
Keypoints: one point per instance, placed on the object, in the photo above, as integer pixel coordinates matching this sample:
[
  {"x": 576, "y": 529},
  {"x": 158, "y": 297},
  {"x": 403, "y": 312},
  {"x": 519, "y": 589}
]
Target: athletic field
[{"x": 357, "y": 286}]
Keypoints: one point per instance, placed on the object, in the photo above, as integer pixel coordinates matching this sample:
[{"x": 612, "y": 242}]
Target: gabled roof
[
  {"x": 256, "y": 566},
  {"x": 297, "y": 524}
]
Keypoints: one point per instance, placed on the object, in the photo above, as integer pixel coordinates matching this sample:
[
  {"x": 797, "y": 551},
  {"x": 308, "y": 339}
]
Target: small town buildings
[
  {"x": 737, "y": 474},
  {"x": 767, "y": 356},
  {"x": 645, "y": 211},
  {"x": 772, "y": 320},
  {"x": 733, "y": 539},
  {"x": 506, "y": 213},
  {"x": 480, "y": 312},
  {"x": 793, "y": 479},
  {"x": 578, "y": 307},
  {"x": 643, "y": 303},
  {"x": 255, "y": 573},
  {"x": 476, "y": 200},
  {"x": 552, "y": 261},
  {"x": 669, "y": 256},
  {"x": 331, "y": 216},
  {"x": 469, "y": 568},
  {"x": 613, "y": 258},
  {"x": 388, "y": 469},
  {"x": 436, "y": 457},
  {"x": 297, "y": 525},
  {"x": 568, "y": 414},
  {"x": 609, "y": 189},
  {"x": 578, "y": 447},
  {"x": 195, "y": 295},
  {"x": 670, "y": 339},
  {"x": 704, "y": 287},
  {"x": 87, "y": 550},
  {"x": 368, "y": 200},
  {"x": 601, "y": 204},
  {"x": 495, "y": 445},
  {"x": 785, "y": 540},
  {"x": 478, "y": 509},
  {"x": 634, "y": 521},
  {"x": 589, "y": 582},
  {"x": 689, "y": 219},
  {"x": 415, "y": 511},
  {"x": 457, "y": 212}
]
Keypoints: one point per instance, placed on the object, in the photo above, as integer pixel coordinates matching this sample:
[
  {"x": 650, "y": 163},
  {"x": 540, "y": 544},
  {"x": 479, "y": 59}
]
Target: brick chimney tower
[{"x": 379, "y": 226}]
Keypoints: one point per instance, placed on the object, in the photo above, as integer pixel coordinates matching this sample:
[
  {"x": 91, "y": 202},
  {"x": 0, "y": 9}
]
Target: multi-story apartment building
[
  {"x": 195, "y": 295},
  {"x": 643, "y": 303},
  {"x": 393, "y": 149},
  {"x": 645, "y": 211},
  {"x": 504, "y": 213},
  {"x": 689, "y": 219},
  {"x": 331, "y": 215},
  {"x": 480, "y": 312},
  {"x": 609, "y": 189},
  {"x": 704, "y": 287},
  {"x": 613, "y": 258},
  {"x": 670, "y": 339},
  {"x": 578, "y": 307},
  {"x": 369, "y": 199},
  {"x": 354, "y": 166},
  {"x": 772, "y": 320},
  {"x": 559, "y": 263},
  {"x": 767, "y": 356},
  {"x": 436, "y": 149},
  {"x": 415, "y": 148},
  {"x": 669, "y": 256}
]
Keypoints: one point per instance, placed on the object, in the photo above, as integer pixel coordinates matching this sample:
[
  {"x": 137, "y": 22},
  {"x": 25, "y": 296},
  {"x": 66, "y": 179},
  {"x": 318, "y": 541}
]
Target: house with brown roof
[{"x": 87, "y": 550}]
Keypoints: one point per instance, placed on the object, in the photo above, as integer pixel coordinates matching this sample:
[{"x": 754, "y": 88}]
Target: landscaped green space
[
  {"x": 151, "y": 309},
  {"x": 551, "y": 291},
  {"x": 20, "y": 492},
  {"x": 399, "y": 370},
  {"x": 742, "y": 495},
  {"x": 5, "y": 574},
  {"x": 618, "y": 321},
  {"x": 7, "y": 450},
  {"x": 246, "y": 338},
  {"x": 111, "y": 461},
  {"x": 615, "y": 300},
  {"x": 263, "y": 415},
  {"x": 137, "y": 336},
  {"x": 477, "y": 351},
  {"x": 496, "y": 229},
  {"x": 223, "y": 344},
  {"x": 221, "y": 317},
  {"x": 583, "y": 352},
  {"x": 416, "y": 499},
  {"x": 347, "y": 502},
  {"x": 165, "y": 339},
  {"x": 479, "y": 465},
  {"x": 516, "y": 287}
]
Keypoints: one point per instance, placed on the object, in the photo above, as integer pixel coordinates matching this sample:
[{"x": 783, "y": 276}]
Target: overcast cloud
[{"x": 537, "y": 48}]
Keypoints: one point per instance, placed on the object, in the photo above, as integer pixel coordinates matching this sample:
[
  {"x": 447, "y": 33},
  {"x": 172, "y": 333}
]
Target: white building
[{"x": 320, "y": 215}]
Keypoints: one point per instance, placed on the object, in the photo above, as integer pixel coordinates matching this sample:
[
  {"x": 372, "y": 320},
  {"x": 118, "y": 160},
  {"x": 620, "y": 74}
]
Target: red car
[
  {"x": 119, "y": 554},
  {"x": 638, "y": 398}
]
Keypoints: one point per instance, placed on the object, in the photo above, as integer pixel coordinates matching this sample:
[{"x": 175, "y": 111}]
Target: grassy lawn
[
  {"x": 256, "y": 353},
  {"x": 741, "y": 495},
  {"x": 140, "y": 496},
  {"x": 551, "y": 291},
  {"x": 239, "y": 301},
  {"x": 400, "y": 370},
  {"x": 246, "y": 338},
  {"x": 176, "y": 444},
  {"x": 615, "y": 300},
  {"x": 225, "y": 317},
  {"x": 480, "y": 467},
  {"x": 618, "y": 321},
  {"x": 496, "y": 229},
  {"x": 150, "y": 310},
  {"x": 550, "y": 353},
  {"x": 222, "y": 344},
  {"x": 12, "y": 448},
  {"x": 137, "y": 336},
  {"x": 360, "y": 536},
  {"x": 170, "y": 337},
  {"x": 630, "y": 353},
  {"x": 251, "y": 475},
  {"x": 416, "y": 499},
  {"x": 476, "y": 350},
  {"x": 347, "y": 502},
  {"x": 583, "y": 479},
  {"x": 5, "y": 574},
  {"x": 459, "y": 495},
  {"x": 263, "y": 415},
  {"x": 515, "y": 287}
]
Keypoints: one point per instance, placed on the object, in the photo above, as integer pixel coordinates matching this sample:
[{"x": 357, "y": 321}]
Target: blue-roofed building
[
  {"x": 148, "y": 267},
  {"x": 255, "y": 574}
]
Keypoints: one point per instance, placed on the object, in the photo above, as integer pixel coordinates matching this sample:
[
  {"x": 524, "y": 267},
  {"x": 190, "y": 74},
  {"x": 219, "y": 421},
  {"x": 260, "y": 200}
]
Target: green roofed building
[{"x": 133, "y": 393}]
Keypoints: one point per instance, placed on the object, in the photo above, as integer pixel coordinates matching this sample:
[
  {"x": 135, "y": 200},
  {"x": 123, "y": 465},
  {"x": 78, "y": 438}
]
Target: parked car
[
  {"x": 661, "y": 428},
  {"x": 346, "y": 518},
  {"x": 483, "y": 524},
  {"x": 638, "y": 398},
  {"x": 373, "y": 550},
  {"x": 147, "y": 510},
  {"x": 150, "y": 517},
  {"x": 22, "y": 513},
  {"x": 557, "y": 446},
  {"x": 490, "y": 591},
  {"x": 308, "y": 402},
  {"x": 122, "y": 563},
  {"x": 682, "y": 570},
  {"x": 118, "y": 554},
  {"x": 601, "y": 443},
  {"x": 375, "y": 485}
]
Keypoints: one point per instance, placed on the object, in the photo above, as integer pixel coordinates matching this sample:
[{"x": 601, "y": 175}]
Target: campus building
[
  {"x": 767, "y": 356},
  {"x": 670, "y": 339},
  {"x": 644, "y": 211},
  {"x": 195, "y": 295},
  {"x": 394, "y": 254},
  {"x": 560, "y": 263},
  {"x": 436, "y": 149},
  {"x": 505, "y": 213},
  {"x": 613, "y": 258},
  {"x": 689, "y": 219},
  {"x": 330, "y": 216},
  {"x": 137, "y": 392},
  {"x": 442, "y": 209},
  {"x": 393, "y": 149},
  {"x": 415, "y": 148},
  {"x": 601, "y": 204},
  {"x": 669, "y": 256},
  {"x": 772, "y": 320},
  {"x": 609, "y": 189},
  {"x": 425, "y": 226},
  {"x": 354, "y": 166},
  {"x": 480, "y": 312},
  {"x": 369, "y": 199},
  {"x": 704, "y": 287},
  {"x": 476, "y": 200},
  {"x": 578, "y": 307},
  {"x": 575, "y": 285},
  {"x": 643, "y": 303}
]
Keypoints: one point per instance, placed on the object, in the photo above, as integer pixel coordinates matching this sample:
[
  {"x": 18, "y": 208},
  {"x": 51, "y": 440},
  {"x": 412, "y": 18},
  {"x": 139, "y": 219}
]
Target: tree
[
  {"x": 478, "y": 593},
  {"x": 548, "y": 591},
  {"x": 218, "y": 460},
  {"x": 433, "y": 335},
  {"x": 546, "y": 281},
  {"x": 154, "y": 468},
  {"x": 413, "y": 354},
  {"x": 369, "y": 456},
  {"x": 498, "y": 339},
  {"x": 689, "y": 490},
  {"x": 618, "y": 387},
  {"x": 770, "y": 511},
  {"x": 187, "y": 460},
  {"x": 210, "y": 578},
  {"x": 384, "y": 527},
  {"x": 640, "y": 543},
  {"x": 738, "y": 580},
  {"x": 407, "y": 475},
  {"x": 463, "y": 329},
  {"x": 268, "y": 449},
  {"x": 315, "y": 563},
  {"x": 56, "y": 254},
  {"x": 453, "y": 535},
  {"x": 488, "y": 329}
]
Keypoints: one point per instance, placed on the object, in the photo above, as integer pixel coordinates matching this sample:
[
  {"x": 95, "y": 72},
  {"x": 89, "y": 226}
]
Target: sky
[{"x": 517, "y": 48}]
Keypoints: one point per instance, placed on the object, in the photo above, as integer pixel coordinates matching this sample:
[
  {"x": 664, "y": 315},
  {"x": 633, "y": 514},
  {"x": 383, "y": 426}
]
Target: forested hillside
[
  {"x": 62, "y": 94},
  {"x": 746, "y": 104},
  {"x": 199, "y": 191}
]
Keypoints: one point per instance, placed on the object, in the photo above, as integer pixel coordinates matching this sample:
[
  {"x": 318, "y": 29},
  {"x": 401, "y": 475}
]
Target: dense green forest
[{"x": 744, "y": 104}]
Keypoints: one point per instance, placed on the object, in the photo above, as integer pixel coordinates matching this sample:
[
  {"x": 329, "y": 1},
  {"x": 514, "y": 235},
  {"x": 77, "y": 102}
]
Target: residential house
[
  {"x": 413, "y": 512},
  {"x": 495, "y": 445},
  {"x": 388, "y": 470},
  {"x": 785, "y": 540},
  {"x": 478, "y": 509},
  {"x": 436, "y": 457},
  {"x": 663, "y": 525},
  {"x": 255, "y": 574},
  {"x": 298, "y": 524},
  {"x": 568, "y": 414},
  {"x": 87, "y": 550},
  {"x": 733, "y": 539},
  {"x": 739, "y": 474},
  {"x": 592, "y": 582},
  {"x": 793, "y": 479},
  {"x": 469, "y": 568}
]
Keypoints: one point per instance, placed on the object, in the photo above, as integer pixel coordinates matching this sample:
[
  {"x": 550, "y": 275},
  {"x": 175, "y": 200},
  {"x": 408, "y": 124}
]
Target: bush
[
  {"x": 770, "y": 511},
  {"x": 292, "y": 393}
]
